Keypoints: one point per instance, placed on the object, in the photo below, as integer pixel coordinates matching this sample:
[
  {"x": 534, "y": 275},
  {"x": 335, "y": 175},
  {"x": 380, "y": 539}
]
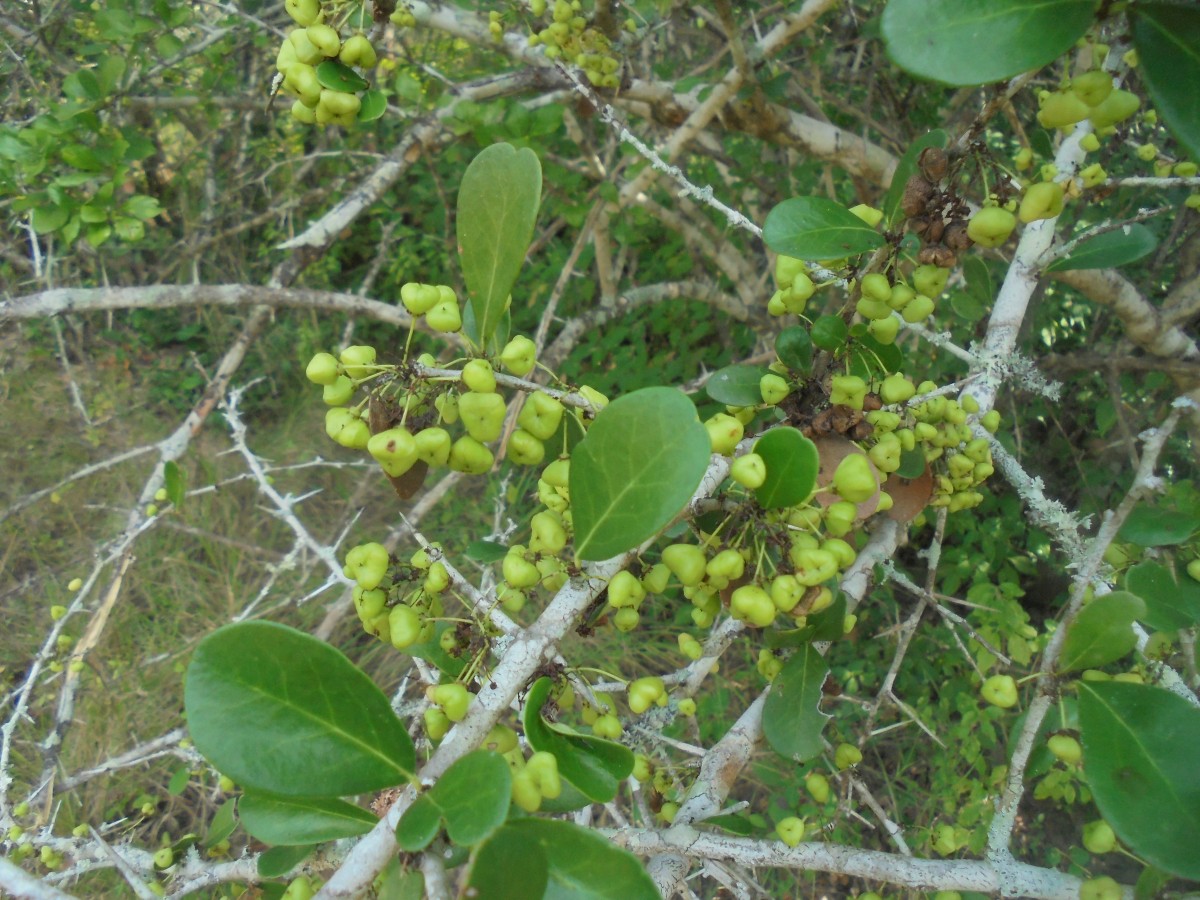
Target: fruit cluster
[
  {"x": 570, "y": 37},
  {"x": 1090, "y": 95},
  {"x": 318, "y": 67}
]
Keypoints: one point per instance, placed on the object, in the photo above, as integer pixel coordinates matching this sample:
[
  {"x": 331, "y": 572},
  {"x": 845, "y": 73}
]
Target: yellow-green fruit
[
  {"x": 445, "y": 317},
  {"x": 524, "y": 449},
  {"x": 687, "y": 562},
  {"x": 624, "y": 589},
  {"x": 853, "y": 479},
  {"x": 322, "y": 369},
  {"x": 357, "y": 51},
  {"x": 817, "y": 786},
  {"x": 303, "y": 12},
  {"x": 846, "y": 756},
  {"x": 1090, "y": 142},
  {"x": 1000, "y": 690},
  {"x": 752, "y": 604},
  {"x": 848, "y": 390},
  {"x": 479, "y": 376},
  {"x": 1093, "y": 175},
  {"x": 1023, "y": 159},
  {"x": 876, "y": 287},
  {"x": 1098, "y": 837},
  {"x": 868, "y": 214},
  {"x": 359, "y": 361},
  {"x": 773, "y": 388},
  {"x": 395, "y": 450},
  {"x": 790, "y": 830},
  {"x": 1061, "y": 110},
  {"x": 164, "y": 858},
  {"x": 519, "y": 356},
  {"x": 1116, "y": 107},
  {"x": 930, "y": 280},
  {"x": 469, "y": 456},
  {"x": 436, "y": 723},
  {"x": 324, "y": 38},
  {"x": 884, "y": 330},
  {"x": 1043, "y": 200},
  {"x": 991, "y": 226},
  {"x": 644, "y": 692},
  {"x": 306, "y": 51},
  {"x": 433, "y": 446},
  {"x": 944, "y": 841},
  {"x": 541, "y": 415},
  {"x": 749, "y": 471},
  {"x": 482, "y": 415},
  {"x": 724, "y": 431},
  {"x": 896, "y": 389},
  {"x": 1093, "y": 88},
  {"x": 1193, "y": 569}
]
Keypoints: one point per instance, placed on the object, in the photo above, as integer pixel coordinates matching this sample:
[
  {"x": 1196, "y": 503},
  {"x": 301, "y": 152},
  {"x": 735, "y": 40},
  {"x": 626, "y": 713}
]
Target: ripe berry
[
  {"x": 848, "y": 390},
  {"x": 1092, "y": 87},
  {"x": 991, "y": 226},
  {"x": 541, "y": 415},
  {"x": 1098, "y": 837},
  {"x": 687, "y": 562},
  {"x": 357, "y": 51},
  {"x": 817, "y": 786},
  {"x": 453, "y": 698},
  {"x": 752, "y": 604},
  {"x": 445, "y": 317},
  {"x": 524, "y": 449},
  {"x": 749, "y": 471},
  {"x": 724, "y": 431},
  {"x": 1043, "y": 200},
  {"x": 644, "y": 692},
  {"x": 846, "y": 756},
  {"x": 930, "y": 280},
  {"x": 358, "y": 361},
  {"x": 1000, "y": 690},
  {"x": 790, "y": 830},
  {"x": 395, "y": 450},
  {"x": 1116, "y": 107},
  {"x": 322, "y": 369},
  {"x": 482, "y": 415},
  {"x": 164, "y": 858},
  {"x": 1102, "y": 888},
  {"x": 1061, "y": 110},
  {"x": 519, "y": 356},
  {"x": 479, "y": 376},
  {"x": 853, "y": 479},
  {"x": 773, "y": 388}
]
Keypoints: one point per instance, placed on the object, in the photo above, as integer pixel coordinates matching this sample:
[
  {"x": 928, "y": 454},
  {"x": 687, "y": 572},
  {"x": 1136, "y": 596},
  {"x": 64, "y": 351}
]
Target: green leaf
[
  {"x": 595, "y": 766},
  {"x": 281, "y": 712},
  {"x": 83, "y": 86},
  {"x": 374, "y": 105},
  {"x": 738, "y": 825},
  {"x": 912, "y": 464},
  {"x": 290, "y": 821},
  {"x": 830, "y": 333},
  {"x": 736, "y": 385},
  {"x": 792, "y": 462},
  {"x": 486, "y": 551},
  {"x": 497, "y": 208},
  {"x": 905, "y": 170},
  {"x": 472, "y": 798},
  {"x": 339, "y": 77},
  {"x": 1167, "y": 38},
  {"x": 1109, "y": 250},
  {"x": 794, "y": 348},
  {"x": 174, "y": 483},
  {"x": 642, "y": 459},
  {"x": 398, "y": 884},
  {"x": 979, "y": 280},
  {"x": 981, "y": 41},
  {"x": 792, "y": 717},
  {"x": 967, "y": 307},
  {"x": 278, "y": 861},
  {"x": 827, "y": 625},
  {"x": 1139, "y": 756},
  {"x": 871, "y": 357},
  {"x": 419, "y": 825},
  {"x": 495, "y": 877},
  {"x": 224, "y": 821},
  {"x": 1170, "y": 604},
  {"x": 584, "y": 865},
  {"x": 1150, "y": 526},
  {"x": 1102, "y": 632},
  {"x": 49, "y": 218},
  {"x": 817, "y": 228},
  {"x": 141, "y": 206},
  {"x": 179, "y": 781}
]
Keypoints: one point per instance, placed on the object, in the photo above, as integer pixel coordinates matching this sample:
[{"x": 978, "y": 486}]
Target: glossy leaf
[
  {"x": 736, "y": 385},
  {"x": 1167, "y": 38},
  {"x": 905, "y": 169},
  {"x": 1139, "y": 756},
  {"x": 792, "y": 463},
  {"x": 472, "y": 798},
  {"x": 374, "y": 105},
  {"x": 817, "y": 228},
  {"x": 278, "y": 861},
  {"x": 642, "y": 459},
  {"x": 339, "y": 77},
  {"x": 792, "y": 717},
  {"x": 584, "y": 865},
  {"x": 1170, "y": 604},
  {"x": 981, "y": 41},
  {"x": 979, "y": 280},
  {"x": 486, "y": 551},
  {"x": 1151, "y": 526},
  {"x": 224, "y": 821},
  {"x": 595, "y": 766},
  {"x": 179, "y": 781},
  {"x": 1109, "y": 250},
  {"x": 497, "y": 206},
  {"x": 912, "y": 464},
  {"x": 1102, "y": 632},
  {"x": 289, "y": 821},
  {"x": 830, "y": 333},
  {"x": 494, "y": 875},
  {"x": 794, "y": 348},
  {"x": 281, "y": 712},
  {"x": 174, "y": 483}
]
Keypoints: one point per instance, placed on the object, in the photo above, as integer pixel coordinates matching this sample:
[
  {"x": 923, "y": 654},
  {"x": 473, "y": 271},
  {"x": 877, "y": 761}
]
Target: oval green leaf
[
  {"x": 905, "y": 170},
  {"x": 291, "y": 821},
  {"x": 1139, "y": 756},
  {"x": 1170, "y": 604},
  {"x": 278, "y": 861},
  {"x": 472, "y": 798},
  {"x": 792, "y": 462},
  {"x": 281, "y": 712},
  {"x": 584, "y": 865},
  {"x": 817, "y": 228},
  {"x": 642, "y": 459},
  {"x": 830, "y": 333},
  {"x": 792, "y": 717},
  {"x": 1167, "y": 38},
  {"x": 174, "y": 483},
  {"x": 486, "y": 551},
  {"x": 736, "y": 385},
  {"x": 981, "y": 41},
  {"x": 595, "y": 766},
  {"x": 374, "y": 105},
  {"x": 339, "y": 77},
  {"x": 1156, "y": 526},
  {"x": 224, "y": 821},
  {"x": 497, "y": 208},
  {"x": 1102, "y": 632},
  {"x": 1109, "y": 250},
  {"x": 794, "y": 348},
  {"x": 495, "y": 877}
]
